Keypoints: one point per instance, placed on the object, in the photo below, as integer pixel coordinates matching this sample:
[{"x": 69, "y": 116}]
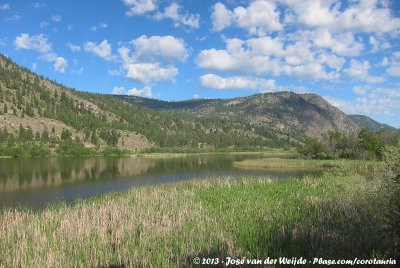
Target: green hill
[
  {"x": 365, "y": 121},
  {"x": 294, "y": 115},
  {"x": 36, "y": 105}
]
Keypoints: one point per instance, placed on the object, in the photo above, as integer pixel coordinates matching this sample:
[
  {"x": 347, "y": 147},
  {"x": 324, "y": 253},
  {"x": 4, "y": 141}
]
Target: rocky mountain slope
[{"x": 296, "y": 115}]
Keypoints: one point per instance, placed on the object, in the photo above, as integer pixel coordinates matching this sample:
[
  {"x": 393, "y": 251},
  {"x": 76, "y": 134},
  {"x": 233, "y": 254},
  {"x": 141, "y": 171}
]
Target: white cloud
[
  {"x": 332, "y": 61},
  {"x": 139, "y": 7},
  {"x": 78, "y": 71},
  {"x": 166, "y": 48},
  {"x": 150, "y": 59},
  {"x": 34, "y": 66},
  {"x": 218, "y": 82},
  {"x": 144, "y": 92},
  {"x": 44, "y": 24},
  {"x": 359, "y": 70},
  {"x": 359, "y": 16},
  {"x": 36, "y": 5},
  {"x": 172, "y": 12},
  {"x": 56, "y": 18},
  {"x": 196, "y": 96},
  {"x": 40, "y": 44},
  {"x": 118, "y": 90},
  {"x": 380, "y": 101},
  {"x": 100, "y": 26},
  {"x": 260, "y": 56},
  {"x": 74, "y": 48},
  {"x": 145, "y": 73},
  {"x": 5, "y": 6},
  {"x": 102, "y": 50},
  {"x": 221, "y": 17},
  {"x": 394, "y": 69},
  {"x": 361, "y": 90},
  {"x": 59, "y": 63},
  {"x": 260, "y": 17},
  {"x": 342, "y": 44},
  {"x": 35, "y": 42},
  {"x": 14, "y": 17}
]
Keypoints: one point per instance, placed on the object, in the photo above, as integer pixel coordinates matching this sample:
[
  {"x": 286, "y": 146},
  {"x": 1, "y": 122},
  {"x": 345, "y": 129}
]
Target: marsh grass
[
  {"x": 282, "y": 163},
  {"x": 336, "y": 215}
]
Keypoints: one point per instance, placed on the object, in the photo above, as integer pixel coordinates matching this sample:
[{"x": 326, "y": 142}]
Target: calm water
[{"x": 36, "y": 182}]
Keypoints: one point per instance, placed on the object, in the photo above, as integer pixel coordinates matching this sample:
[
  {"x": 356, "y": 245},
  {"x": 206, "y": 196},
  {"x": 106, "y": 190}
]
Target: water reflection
[{"x": 35, "y": 182}]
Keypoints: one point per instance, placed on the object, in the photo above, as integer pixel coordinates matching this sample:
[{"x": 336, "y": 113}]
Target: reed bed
[{"x": 339, "y": 214}]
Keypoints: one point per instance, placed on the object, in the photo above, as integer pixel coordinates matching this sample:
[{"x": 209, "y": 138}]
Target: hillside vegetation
[
  {"x": 295, "y": 115},
  {"x": 40, "y": 117},
  {"x": 48, "y": 115}
]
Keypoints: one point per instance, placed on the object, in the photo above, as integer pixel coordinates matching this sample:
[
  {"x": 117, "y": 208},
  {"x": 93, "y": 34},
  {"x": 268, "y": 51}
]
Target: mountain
[
  {"x": 295, "y": 115},
  {"x": 33, "y": 107},
  {"x": 365, "y": 121}
]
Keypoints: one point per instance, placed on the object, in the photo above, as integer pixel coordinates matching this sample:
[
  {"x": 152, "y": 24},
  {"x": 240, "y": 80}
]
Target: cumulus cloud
[
  {"x": 43, "y": 24},
  {"x": 151, "y": 59},
  {"x": 56, "y": 18},
  {"x": 41, "y": 44},
  {"x": 221, "y": 17},
  {"x": 118, "y": 90},
  {"x": 166, "y": 48},
  {"x": 139, "y": 7},
  {"x": 173, "y": 12},
  {"x": 35, "y": 42},
  {"x": 74, "y": 48},
  {"x": 100, "y": 26},
  {"x": 380, "y": 101},
  {"x": 259, "y": 18},
  {"x": 361, "y": 90},
  {"x": 218, "y": 82},
  {"x": 102, "y": 50},
  {"x": 394, "y": 69},
  {"x": 59, "y": 63},
  {"x": 144, "y": 92},
  {"x": 359, "y": 16},
  {"x": 359, "y": 70},
  {"x": 145, "y": 73},
  {"x": 260, "y": 56},
  {"x": 342, "y": 44}
]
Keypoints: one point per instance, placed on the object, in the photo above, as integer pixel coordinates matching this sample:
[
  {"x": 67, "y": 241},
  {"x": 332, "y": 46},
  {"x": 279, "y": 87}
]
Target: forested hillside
[
  {"x": 38, "y": 113},
  {"x": 365, "y": 121},
  {"x": 295, "y": 115}
]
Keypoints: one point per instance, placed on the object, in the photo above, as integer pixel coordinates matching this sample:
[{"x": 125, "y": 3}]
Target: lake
[{"x": 36, "y": 182}]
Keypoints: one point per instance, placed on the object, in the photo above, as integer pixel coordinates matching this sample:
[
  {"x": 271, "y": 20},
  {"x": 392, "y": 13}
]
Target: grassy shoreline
[{"x": 337, "y": 215}]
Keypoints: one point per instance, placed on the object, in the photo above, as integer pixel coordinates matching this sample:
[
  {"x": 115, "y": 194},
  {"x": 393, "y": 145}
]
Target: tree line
[{"x": 366, "y": 144}]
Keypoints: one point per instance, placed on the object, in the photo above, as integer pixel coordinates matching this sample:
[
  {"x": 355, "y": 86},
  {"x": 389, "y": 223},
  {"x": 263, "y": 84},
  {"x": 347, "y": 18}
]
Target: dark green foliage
[
  {"x": 312, "y": 148},
  {"x": 66, "y": 134},
  {"x": 3, "y": 135},
  {"x": 363, "y": 145},
  {"x": 369, "y": 142},
  {"x": 391, "y": 158},
  {"x": 45, "y": 135}
]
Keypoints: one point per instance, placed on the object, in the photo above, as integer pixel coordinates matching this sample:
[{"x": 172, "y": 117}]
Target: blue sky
[{"x": 346, "y": 51}]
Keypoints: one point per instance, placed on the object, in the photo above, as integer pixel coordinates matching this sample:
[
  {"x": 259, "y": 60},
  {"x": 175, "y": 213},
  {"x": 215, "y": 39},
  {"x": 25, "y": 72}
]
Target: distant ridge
[
  {"x": 297, "y": 115},
  {"x": 365, "y": 121}
]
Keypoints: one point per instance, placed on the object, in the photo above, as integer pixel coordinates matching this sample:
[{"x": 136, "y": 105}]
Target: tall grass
[{"x": 336, "y": 215}]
